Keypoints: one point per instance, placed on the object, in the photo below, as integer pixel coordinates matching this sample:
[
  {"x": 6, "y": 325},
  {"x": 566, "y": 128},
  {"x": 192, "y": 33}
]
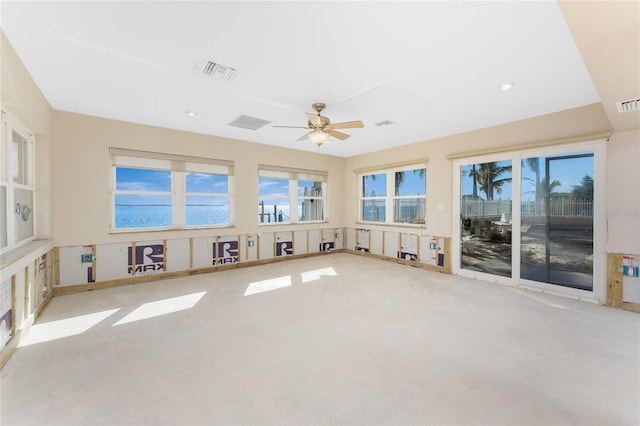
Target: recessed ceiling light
[
  {"x": 191, "y": 113},
  {"x": 507, "y": 86}
]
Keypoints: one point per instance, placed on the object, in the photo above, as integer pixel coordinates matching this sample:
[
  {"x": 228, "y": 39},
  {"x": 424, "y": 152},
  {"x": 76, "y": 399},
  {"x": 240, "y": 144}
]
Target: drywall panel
[
  {"x": 112, "y": 262},
  {"x": 266, "y": 245},
  {"x": 339, "y": 239},
  {"x": 315, "y": 240},
  {"x": 376, "y": 242},
  {"x": 178, "y": 255},
  {"x": 363, "y": 240},
  {"x": 328, "y": 240},
  {"x": 202, "y": 252},
  {"x": 226, "y": 250},
  {"x": 300, "y": 242},
  {"x": 409, "y": 246},
  {"x": 350, "y": 239},
  {"x": 76, "y": 265},
  {"x": 391, "y": 243}
]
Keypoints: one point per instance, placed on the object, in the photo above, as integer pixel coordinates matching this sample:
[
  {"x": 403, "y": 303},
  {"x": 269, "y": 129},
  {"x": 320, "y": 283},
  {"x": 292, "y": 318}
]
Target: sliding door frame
[{"x": 598, "y": 293}]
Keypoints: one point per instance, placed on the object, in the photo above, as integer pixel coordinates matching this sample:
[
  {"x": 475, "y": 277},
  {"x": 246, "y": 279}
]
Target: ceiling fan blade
[
  {"x": 348, "y": 125},
  {"x": 314, "y": 119},
  {"x": 338, "y": 135},
  {"x": 305, "y": 136},
  {"x": 292, "y": 127}
]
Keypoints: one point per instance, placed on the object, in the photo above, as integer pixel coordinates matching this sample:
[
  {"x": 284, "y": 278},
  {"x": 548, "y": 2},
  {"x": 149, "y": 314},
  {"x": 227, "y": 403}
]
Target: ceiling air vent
[
  {"x": 246, "y": 122},
  {"x": 629, "y": 105},
  {"x": 385, "y": 123},
  {"x": 215, "y": 70}
]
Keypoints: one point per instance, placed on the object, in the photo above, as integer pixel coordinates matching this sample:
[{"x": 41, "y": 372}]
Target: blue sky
[
  {"x": 129, "y": 179},
  {"x": 413, "y": 184},
  {"x": 567, "y": 171}
]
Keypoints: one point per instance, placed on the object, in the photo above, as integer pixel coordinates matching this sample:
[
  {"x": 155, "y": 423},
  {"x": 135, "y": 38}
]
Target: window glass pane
[
  {"x": 23, "y": 199},
  {"x": 310, "y": 209},
  {"x": 143, "y": 211},
  {"x": 485, "y": 214},
  {"x": 274, "y": 210},
  {"x": 307, "y": 188},
  {"x": 273, "y": 186},
  {"x": 409, "y": 210},
  {"x": 130, "y": 179},
  {"x": 411, "y": 182},
  {"x": 374, "y": 185},
  {"x": 203, "y": 210},
  {"x": 373, "y": 210},
  {"x": 3, "y": 216},
  {"x": 200, "y": 182},
  {"x": 19, "y": 159}
]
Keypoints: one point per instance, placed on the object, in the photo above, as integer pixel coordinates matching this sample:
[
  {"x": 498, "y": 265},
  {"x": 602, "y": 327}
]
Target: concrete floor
[{"x": 358, "y": 341}]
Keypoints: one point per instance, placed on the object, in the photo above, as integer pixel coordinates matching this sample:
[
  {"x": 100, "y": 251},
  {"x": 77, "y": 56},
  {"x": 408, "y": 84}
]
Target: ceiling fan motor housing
[{"x": 320, "y": 123}]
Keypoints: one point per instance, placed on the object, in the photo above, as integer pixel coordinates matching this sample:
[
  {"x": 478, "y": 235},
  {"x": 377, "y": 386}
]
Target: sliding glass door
[
  {"x": 485, "y": 217},
  {"x": 556, "y": 230},
  {"x": 530, "y": 218}
]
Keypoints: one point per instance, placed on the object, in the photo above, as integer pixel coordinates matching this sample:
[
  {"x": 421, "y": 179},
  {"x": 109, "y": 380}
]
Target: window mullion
[{"x": 178, "y": 198}]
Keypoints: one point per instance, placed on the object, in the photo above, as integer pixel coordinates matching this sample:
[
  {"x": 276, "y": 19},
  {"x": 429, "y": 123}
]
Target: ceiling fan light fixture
[{"x": 319, "y": 137}]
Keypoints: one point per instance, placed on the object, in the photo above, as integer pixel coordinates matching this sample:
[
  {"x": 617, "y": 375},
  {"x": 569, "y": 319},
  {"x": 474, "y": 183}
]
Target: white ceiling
[{"x": 431, "y": 68}]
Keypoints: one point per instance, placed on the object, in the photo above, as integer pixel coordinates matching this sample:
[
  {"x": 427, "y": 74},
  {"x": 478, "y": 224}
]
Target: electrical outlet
[{"x": 86, "y": 258}]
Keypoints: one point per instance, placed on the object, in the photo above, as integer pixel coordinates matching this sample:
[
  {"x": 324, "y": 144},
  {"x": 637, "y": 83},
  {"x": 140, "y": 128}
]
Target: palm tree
[{"x": 488, "y": 177}]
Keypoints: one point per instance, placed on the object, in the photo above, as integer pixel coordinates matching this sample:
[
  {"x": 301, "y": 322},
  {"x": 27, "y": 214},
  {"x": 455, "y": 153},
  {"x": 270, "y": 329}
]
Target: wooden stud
[
  {"x": 56, "y": 252},
  {"x": 36, "y": 281},
  {"x": 133, "y": 258},
  {"x": 14, "y": 304},
  {"x": 93, "y": 262},
  {"x": 614, "y": 280},
  {"x": 293, "y": 242},
  {"x": 447, "y": 256},
  {"x": 164, "y": 255},
  {"x": 25, "y": 313},
  {"x": 190, "y": 253},
  {"x": 258, "y": 246},
  {"x": 239, "y": 251},
  {"x": 215, "y": 260}
]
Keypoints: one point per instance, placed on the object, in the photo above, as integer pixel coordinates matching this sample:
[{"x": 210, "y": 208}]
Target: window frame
[
  {"x": 390, "y": 196},
  {"x": 9, "y": 126},
  {"x": 293, "y": 177},
  {"x": 179, "y": 166}
]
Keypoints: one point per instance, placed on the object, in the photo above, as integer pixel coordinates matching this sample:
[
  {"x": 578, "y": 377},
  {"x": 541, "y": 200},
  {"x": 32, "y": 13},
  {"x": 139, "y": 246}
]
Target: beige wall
[
  {"x": 82, "y": 173},
  {"x": 579, "y": 121},
  {"x": 623, "y": 192},
  {"x": 23, "y": 99}
]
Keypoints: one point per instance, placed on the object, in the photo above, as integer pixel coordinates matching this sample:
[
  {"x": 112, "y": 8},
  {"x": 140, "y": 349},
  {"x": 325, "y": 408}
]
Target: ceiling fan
[{"x": 321, "y": 127}]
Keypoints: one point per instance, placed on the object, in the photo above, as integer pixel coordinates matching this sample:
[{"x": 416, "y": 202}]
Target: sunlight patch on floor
[
  {"x": 162, "y": 307},
  {"x": 316, "y": 274},
  {"x": 48, "y": 331},
  {"x": 267, "y": 285}
]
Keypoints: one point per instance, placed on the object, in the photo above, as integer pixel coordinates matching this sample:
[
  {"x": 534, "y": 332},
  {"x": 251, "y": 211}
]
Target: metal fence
[{"x": 557, "y": 207}]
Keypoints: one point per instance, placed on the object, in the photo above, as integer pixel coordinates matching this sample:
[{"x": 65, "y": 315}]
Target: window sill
[
  {"x": 394, "y": 225},
  {"x": 146, "y": 230},
  {"x": 29, "y": 250},
  {"x": 315, "y": 222}
]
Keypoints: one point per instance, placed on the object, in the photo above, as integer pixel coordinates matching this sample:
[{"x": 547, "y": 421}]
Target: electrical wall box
[
  {"x": 86, "y": 258},
  {"x": 250, "y": 243}
]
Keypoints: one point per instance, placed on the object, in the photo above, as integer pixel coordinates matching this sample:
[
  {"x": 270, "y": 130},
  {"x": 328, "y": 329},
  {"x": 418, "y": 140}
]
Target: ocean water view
[{"x": 159, "y": 216}]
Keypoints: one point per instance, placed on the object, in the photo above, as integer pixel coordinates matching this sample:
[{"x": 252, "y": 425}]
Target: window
[
  {"x": 291, "y": 195},
  {"x": 163, "y": 191},
  {"x": 394, "y": 195},
  {"x": 16, "y": 184}
]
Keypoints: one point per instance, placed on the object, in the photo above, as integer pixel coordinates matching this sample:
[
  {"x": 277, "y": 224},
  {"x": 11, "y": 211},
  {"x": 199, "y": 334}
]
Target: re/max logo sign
[
  {"x": 148, "y": 258},
  {"x": 225, "y": 252}
]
